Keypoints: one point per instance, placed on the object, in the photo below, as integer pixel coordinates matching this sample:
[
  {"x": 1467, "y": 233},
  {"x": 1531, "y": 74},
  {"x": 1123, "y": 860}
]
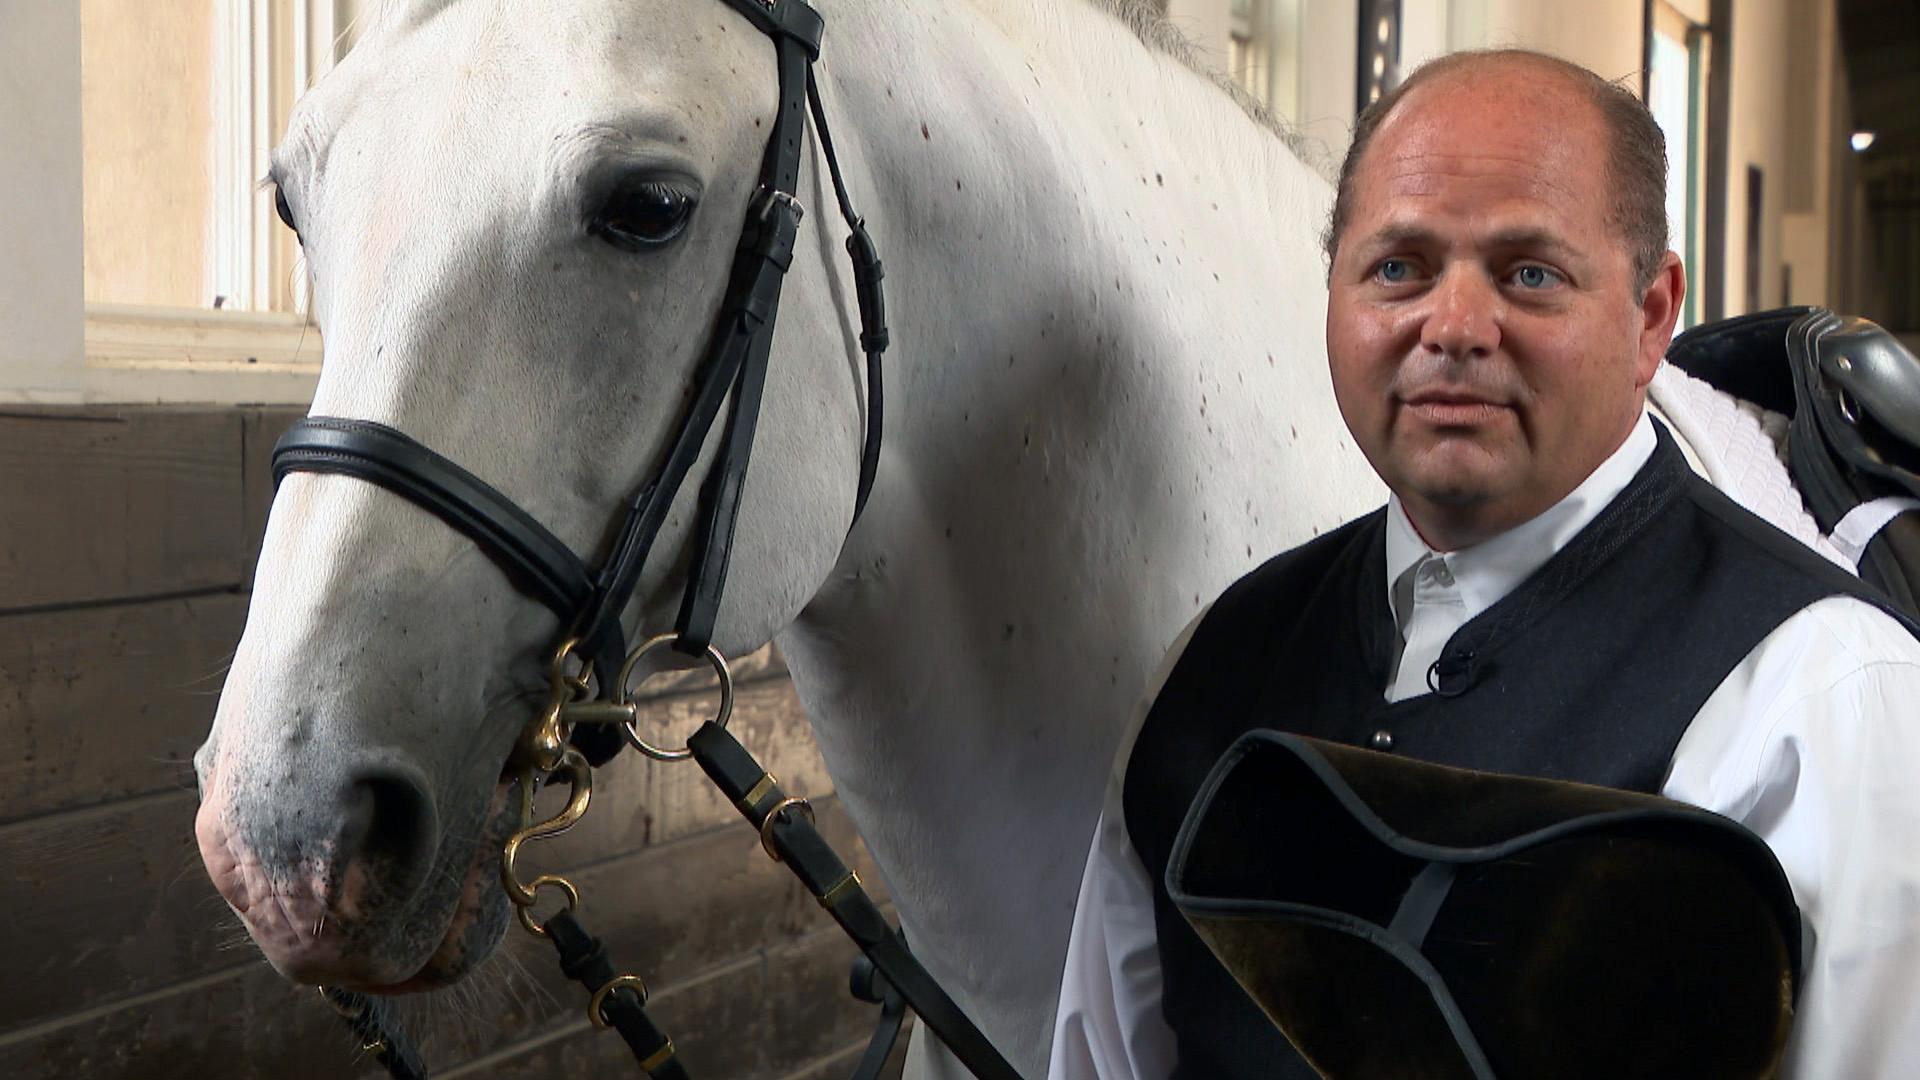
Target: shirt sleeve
[
  {"x": 1109, "y": 1025},
  {"x": 1827, "y": 772}
]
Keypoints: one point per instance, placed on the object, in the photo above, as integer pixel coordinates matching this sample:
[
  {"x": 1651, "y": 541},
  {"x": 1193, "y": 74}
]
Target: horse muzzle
[{"x": 327, "y": 863}]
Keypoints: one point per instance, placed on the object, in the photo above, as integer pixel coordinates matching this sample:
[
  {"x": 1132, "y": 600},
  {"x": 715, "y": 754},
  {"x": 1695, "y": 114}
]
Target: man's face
[{"x": 1488, "y": 346}]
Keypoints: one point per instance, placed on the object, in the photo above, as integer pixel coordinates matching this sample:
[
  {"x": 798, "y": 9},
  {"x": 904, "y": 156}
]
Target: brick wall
[{"x": 127, "y": 537}]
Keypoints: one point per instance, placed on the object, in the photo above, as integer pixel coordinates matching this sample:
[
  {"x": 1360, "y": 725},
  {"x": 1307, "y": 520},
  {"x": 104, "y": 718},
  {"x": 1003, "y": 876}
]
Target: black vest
[{"x": 1590, "y": 670}]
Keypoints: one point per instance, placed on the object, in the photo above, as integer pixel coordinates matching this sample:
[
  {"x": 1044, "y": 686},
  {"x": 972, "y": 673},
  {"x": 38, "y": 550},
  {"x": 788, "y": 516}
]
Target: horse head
[{"x": 520, "y": 228}]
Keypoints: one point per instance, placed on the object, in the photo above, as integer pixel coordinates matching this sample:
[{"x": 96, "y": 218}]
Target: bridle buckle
[{"x": 769, "y": 199}]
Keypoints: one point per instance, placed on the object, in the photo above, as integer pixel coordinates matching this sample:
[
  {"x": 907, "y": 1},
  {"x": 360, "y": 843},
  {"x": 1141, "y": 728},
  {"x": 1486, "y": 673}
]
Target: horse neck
[
  {"x": 1105, "y": 308},
  {"x": 1066, "y": 214}
]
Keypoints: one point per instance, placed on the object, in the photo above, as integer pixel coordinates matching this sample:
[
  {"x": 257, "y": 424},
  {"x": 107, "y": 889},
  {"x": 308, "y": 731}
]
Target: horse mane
[
  {"x": 1148, "y": 22},
  {"x": 1145, "y": 18}
]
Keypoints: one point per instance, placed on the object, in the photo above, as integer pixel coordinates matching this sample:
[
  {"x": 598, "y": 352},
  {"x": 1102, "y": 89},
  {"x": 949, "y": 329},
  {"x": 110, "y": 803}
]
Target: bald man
[{"x": 1550, "y": 591}]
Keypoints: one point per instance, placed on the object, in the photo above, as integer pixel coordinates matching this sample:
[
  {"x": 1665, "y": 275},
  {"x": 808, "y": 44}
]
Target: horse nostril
[{"x": 390, "y": 828}]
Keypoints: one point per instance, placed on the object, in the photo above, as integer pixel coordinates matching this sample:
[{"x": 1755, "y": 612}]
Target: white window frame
[{"x": 267, "y": 52}]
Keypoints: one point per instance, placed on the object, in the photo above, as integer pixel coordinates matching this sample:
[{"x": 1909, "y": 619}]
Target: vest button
[{"x": 1382, "y": 741}]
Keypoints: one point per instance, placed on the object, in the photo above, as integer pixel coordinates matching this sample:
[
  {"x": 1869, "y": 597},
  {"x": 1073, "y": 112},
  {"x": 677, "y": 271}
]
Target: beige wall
[
  {"x": 148, "y": 131},
  {"x": 1758, "y": 136},
  {"x": 1327, "y": 75},
  {"x": 1603, "y": 35},
  {"x": 1789, "y": 113},
  {"x": 40, "y": 306}
]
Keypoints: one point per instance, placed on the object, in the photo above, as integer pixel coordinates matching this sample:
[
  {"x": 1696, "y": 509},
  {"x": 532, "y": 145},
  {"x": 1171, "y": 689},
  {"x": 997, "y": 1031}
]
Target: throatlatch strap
[
  {"x": 801, "y": 848},
  {"x": 870, "y": 296}
]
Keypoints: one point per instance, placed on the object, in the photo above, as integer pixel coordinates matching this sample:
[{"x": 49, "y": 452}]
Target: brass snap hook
[
  {"x": 523, "y": 894},
  {"x": 544, "y": 742}
]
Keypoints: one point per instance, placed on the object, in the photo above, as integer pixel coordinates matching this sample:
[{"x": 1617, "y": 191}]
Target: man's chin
[
  {"x": 1455, "y": 477},
  {"x": 1458, "y": 498}
]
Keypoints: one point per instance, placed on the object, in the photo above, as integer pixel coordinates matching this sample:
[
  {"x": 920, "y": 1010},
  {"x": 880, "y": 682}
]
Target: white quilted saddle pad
[{"x": 1740, "y": 448}]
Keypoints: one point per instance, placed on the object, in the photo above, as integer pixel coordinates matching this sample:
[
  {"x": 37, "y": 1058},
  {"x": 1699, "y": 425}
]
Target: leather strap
[
  {"x": 533, "y": 556},
  {"x": 584, "y": 960},
  {"x": 373, "y": 1023},
  {"x": 868, "y": 294},
  {"x": 766, "y": 252},
  {"x": 534, "y": 560},
  {"x": 868, "y": 984},
  {"x": 801, "y": 848}
]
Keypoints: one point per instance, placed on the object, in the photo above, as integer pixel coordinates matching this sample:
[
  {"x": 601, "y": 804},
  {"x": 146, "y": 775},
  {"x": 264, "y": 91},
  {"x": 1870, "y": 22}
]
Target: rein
[{"x": 579, "y": 728}]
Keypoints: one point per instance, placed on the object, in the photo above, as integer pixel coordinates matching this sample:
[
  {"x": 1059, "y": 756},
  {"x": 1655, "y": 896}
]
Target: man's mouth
[{"x": 1442, "y": 408}]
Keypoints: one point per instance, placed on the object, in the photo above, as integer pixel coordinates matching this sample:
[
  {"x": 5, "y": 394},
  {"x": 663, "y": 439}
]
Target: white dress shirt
[{"x": 1812, "y": 741}]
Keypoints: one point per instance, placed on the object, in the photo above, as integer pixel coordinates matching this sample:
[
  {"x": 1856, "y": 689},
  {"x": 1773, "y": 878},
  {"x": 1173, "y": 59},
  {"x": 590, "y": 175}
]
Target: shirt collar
[{"x": 1490, "y": 570}]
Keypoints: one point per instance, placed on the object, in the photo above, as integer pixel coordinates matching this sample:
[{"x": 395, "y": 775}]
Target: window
[
  {"x": 1677, "y": 95},
  {"x": 185, "y": 265}
]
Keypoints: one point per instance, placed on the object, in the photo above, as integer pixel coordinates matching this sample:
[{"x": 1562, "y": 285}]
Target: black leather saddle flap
[
  {"x": 1851, "y": 391},
  {"x": 1401, "y": 919}
]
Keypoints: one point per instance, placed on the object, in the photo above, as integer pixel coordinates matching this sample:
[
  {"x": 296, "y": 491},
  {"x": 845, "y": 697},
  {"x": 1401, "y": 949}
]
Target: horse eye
[
  {"x": 286, "y": 212},
  {"x": 642, "y": 215}
]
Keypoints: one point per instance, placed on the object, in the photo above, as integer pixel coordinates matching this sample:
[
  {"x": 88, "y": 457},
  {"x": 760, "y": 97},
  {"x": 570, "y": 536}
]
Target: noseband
[{"x": 589, "y": 601}]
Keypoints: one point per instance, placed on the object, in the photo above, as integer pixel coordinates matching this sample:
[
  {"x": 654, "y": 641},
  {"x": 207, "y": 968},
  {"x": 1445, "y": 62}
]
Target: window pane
[
  {"x": 146, "y": 100},
  {"x": 1669, "y": 94}
]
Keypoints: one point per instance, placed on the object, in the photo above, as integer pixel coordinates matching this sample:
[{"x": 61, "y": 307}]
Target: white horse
[{"x": 1107, "y": 398}]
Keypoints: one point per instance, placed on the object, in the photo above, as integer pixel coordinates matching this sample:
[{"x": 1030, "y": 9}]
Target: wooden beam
[
  {"x": 104, "y": 505},
  {"x": 113, "y": 904},
  {"x": 109, "y": 702}
]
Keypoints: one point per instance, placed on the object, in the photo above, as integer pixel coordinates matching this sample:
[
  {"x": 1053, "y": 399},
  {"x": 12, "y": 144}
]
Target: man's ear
[{"x": 1659, "y": 310}]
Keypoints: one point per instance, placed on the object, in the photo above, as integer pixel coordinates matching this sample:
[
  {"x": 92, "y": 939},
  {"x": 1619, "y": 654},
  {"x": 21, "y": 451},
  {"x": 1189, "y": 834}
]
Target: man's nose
[{"x": 1463, "y": 319}]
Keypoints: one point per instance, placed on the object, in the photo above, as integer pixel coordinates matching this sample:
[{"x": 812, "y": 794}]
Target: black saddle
[
  {"x": 1400, "y": 919},
  {"x": 1852, "y": 394}
]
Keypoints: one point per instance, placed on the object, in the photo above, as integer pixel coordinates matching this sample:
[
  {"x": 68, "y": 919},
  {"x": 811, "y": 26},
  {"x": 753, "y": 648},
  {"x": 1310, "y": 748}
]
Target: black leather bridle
[{"x": 590, "y": 601}]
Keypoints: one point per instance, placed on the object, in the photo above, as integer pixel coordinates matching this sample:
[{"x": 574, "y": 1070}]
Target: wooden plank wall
[{"x": 127, "y": 538}]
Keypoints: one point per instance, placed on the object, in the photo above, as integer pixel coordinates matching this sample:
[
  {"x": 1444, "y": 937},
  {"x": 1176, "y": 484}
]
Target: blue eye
[
  {"x": 1393, "y": 271},
  {"x": 1536, "y": 277}
]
